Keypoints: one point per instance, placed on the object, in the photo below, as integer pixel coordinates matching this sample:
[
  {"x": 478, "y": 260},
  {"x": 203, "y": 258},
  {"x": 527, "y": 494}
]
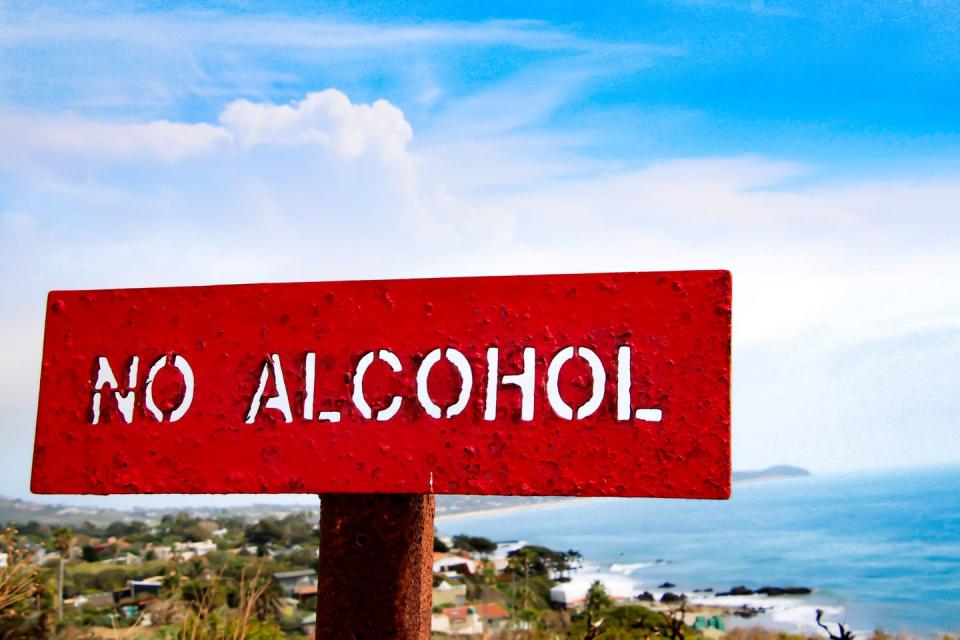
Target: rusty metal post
[{"x": 376, "y": 567}]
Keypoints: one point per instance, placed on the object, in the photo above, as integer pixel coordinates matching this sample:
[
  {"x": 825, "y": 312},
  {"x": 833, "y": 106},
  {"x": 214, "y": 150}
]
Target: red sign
[{"x": 610, "y": 384}]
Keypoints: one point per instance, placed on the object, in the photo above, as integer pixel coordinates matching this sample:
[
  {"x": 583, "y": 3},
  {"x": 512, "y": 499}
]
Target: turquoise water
[{"x": 882, "y": 548}]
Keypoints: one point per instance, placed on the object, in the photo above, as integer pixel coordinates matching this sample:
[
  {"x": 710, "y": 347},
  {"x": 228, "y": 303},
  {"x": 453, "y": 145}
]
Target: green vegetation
[
  {"x": 212, "y": 579},
  {"x": 199, "y": 591},
  {"x": 474, "y": 543}
]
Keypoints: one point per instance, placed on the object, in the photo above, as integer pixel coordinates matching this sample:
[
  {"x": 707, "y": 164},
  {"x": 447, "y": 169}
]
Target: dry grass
[
  {"x": 208, "y": 621},
  {"x": 18, "y": 579}
]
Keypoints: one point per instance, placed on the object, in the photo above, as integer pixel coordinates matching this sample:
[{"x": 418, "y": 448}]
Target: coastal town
[{"x": 192, "y": 576}]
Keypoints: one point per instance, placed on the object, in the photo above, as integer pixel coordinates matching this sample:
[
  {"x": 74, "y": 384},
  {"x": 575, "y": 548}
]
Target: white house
[
  {"x": 448, "y": 562},
  {"x": 574, "y": 593},
  {"x": 188, "y": 550},
  {"x": 500, "y": 557}
]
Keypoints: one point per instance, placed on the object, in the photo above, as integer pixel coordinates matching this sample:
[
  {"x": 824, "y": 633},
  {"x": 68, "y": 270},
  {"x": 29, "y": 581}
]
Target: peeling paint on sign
[{"x": 598, "y": 384}]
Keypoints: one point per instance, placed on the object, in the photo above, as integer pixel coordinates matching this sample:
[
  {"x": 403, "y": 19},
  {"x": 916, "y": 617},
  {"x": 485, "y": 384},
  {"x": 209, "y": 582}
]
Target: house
[
  {"x": 112, "y": 546},
  {"x": 137, "y": 591},
  {"x": 289, "y": 607},
  {"x": 302, "y": 591},
  {"x": 573, "y": 594},
  {"x": 439, "y": 623},
  {"x": 159, "y": 552},
  {"x": 309, "y": 625},
  {"x": 290, "y": 580},
  {"x": 448, "y": 593},
  {"x": 127, "y": 559},
  {"x": 189, "y": 550},
  {"x": 500, "y": 558},
  {"x": 476, "y": 618},
  {"x": 94, "y": 600},
  {"x": 451, "y": 563}
]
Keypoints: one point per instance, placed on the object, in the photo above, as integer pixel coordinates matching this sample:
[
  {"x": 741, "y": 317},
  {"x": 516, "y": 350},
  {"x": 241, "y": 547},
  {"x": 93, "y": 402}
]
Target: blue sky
[{"x": 812, "y": 148}]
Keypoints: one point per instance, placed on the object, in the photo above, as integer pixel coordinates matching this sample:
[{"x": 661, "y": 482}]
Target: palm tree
[{"x": 63, "y": 539}]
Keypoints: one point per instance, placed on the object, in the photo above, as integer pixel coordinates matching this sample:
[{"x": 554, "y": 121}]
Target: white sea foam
[
  {"x": 627, "y": 569},
  {"x": 794, "y": 613},
  {"x": 803, "y": 616}
]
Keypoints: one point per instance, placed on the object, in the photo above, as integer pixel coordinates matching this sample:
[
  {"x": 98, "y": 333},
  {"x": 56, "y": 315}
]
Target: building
[
  {"x": 139, "y": 590},
  {"x": 309, "y": 625},
  {"x": 94, "y": 600},
  {"x": 159, "y": 552},
  {"x": 303, "y": 591},
  {"x": 500, "y": 558},
  {"x": 189, "y": 550},
  {"x": 125, "y": 558},
  {"x": 439, "y": 623},
  {"x": 290, "y": 580},
  {"x": 449, "y": 593},
  {"x": 450, "y": 563},
  {"x": 573, "y": 594},
  {"x": 112, "y": 544},
  {"x": 479, "y": 618}
]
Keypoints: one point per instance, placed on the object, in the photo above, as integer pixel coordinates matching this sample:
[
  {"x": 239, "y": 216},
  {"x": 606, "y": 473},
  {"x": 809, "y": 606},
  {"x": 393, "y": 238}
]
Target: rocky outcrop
[
  {"x": 785, "y": 591},
  {"x": 741, "y": 590}
]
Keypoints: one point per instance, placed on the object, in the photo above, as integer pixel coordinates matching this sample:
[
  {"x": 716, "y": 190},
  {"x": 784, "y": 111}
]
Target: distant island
[{"x": 771, "y": 473}]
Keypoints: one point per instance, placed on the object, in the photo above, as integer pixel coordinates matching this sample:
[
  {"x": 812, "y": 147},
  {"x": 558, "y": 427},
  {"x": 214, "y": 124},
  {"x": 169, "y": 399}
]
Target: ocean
[{"x": 880, "y": 549}]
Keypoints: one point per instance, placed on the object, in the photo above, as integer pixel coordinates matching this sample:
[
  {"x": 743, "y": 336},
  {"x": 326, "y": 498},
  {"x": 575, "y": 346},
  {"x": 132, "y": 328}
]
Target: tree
[
  {"x": 478, "y": 544},
  {"x": 597, "y": 602},
  {"x": 89, "y": 554},
  {"x": 62, "y": 539},
  {"x": 438, "y": 545},
  {"x": 535, "y": 560},
  {"x": 597, "y": 599},
  {"x": 263, "y": 533}
]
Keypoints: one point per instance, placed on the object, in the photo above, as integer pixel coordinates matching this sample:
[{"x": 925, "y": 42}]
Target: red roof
[{"x": 489, "y": 610}]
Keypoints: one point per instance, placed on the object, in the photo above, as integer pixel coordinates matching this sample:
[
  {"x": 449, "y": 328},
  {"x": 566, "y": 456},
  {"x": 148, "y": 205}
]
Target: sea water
[{"x": 880, "y": 549}]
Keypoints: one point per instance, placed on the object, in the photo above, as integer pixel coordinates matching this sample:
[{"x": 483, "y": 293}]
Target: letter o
[
  {"x": 557, "y": 403},
  {"x": 181, "y": 364},
  {"x": 459, "y": 361}
]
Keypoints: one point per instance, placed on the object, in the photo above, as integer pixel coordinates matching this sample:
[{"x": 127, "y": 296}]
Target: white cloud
[
  {"x": 325, "y": 188},
  {"x": 326, "y": 118},
  {"x": 54, "y": 138}
]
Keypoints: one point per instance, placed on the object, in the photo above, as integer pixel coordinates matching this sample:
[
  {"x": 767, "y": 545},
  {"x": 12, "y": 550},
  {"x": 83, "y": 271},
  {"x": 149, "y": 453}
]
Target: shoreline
[
  {"x": 498, "y": 511},
  {"x": 791, "y": 614},
  {"x": 534, "y": 506}
]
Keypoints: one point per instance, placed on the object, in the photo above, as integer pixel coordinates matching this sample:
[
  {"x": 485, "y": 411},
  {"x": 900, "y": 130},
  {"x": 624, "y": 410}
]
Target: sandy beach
[{"x": 538, "y": 506}]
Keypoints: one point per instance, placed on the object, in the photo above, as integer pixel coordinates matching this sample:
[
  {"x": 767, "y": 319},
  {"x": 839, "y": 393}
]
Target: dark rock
[
  {"x": 785, "y": 591},
  {"x": 737, "y": 591},
  {"x": 667, "y": 585},
  {"x": 672, "y": 597},
  {"x": 749, "y": 612},
  {"x": 646, "y": 596}
]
